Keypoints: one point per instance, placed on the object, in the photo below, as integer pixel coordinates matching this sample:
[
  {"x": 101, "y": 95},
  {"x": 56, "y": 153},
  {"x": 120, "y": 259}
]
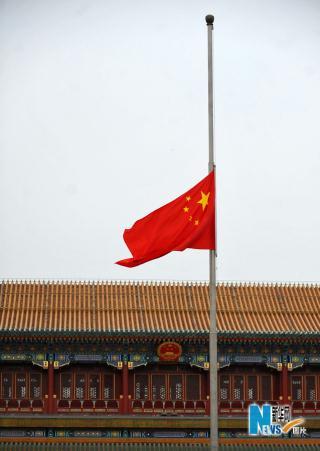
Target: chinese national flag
[{"x": 186, "y": 222}]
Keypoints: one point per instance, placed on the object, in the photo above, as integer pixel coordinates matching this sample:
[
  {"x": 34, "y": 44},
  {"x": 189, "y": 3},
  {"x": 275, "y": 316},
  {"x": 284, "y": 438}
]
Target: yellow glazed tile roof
[{"x": 127, "y": 307}]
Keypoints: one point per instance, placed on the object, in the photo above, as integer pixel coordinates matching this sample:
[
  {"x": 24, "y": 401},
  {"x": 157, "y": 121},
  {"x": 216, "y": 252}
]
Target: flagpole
[{"x": 213, "y": 352}]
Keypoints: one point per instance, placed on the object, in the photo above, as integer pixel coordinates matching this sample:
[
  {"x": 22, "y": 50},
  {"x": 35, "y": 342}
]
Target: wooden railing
[
  {"x": 100, "y": 406},
  {"x": 21, "y": 405},
  {"x": 88, "y": 406},
  {"x": 149, "y": 407},
  {"x": 306, "y": 407},
  {"x": 158, "y": 407},
  {"x": 241, "y": 407}
]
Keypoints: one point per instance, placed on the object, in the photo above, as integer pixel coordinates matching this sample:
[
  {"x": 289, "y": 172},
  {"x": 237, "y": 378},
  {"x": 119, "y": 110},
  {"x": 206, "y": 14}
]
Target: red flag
[{"x": 186, "y": 222}]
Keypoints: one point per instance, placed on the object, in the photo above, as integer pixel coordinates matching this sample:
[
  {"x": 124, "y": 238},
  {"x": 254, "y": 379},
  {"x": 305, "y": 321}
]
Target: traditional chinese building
[{"x": 130, "y": 360}]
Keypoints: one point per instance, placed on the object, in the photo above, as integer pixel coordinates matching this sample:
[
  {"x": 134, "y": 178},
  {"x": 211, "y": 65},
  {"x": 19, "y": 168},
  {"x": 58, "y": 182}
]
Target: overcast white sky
[{"x": 103, "y": 118}]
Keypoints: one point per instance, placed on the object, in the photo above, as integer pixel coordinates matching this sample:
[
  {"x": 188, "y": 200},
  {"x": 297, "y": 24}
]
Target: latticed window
[
  {"x": 94, "y": 386},
  {"x": 224, "y": 387},
  {"x": 192, "y": 387},
  {"x": 35, "y": 386},
  {"x": 21, "y": 385},
  {"x": 175, "y": 387},
  {"x": 252, "y": 394},
  {"x": 141, "y": 386},
  {"x": 296, "y": 388},
  {"x": 238, "y": 388},
  {"x": 311, "y": 388},
  {"x": 7, "y": 386},
  {"x": 108, "y": 392},
  {"x": 66, "y": 386},
  {"x": 249, "y": 387},
  {"x": 265, "y": 388},
  {"x": 159, "y": 387},
  {"x": 80, "y": 386}
]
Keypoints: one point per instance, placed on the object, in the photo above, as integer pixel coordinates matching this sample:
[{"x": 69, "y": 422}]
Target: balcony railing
[
  {"x": 110, "y": 406},
  {"x": 241, "y": 407},
  {"x": 146, "y": 407},
  {"x": 21, "y": 405},
  {"x": 169, "y": 407},
  {"x": 100, "y": 406},
  {"x": 306, "y": 407}
]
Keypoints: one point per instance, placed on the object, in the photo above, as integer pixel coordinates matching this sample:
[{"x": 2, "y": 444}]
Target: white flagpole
[{"x": 213, "y": 353}]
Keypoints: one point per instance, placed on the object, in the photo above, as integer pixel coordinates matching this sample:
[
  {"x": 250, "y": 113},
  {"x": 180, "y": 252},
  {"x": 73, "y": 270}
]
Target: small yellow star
[
  {"x": 188, "y": 198},
  {"x": 190, "y": 218},
  {"x": 186, "y": 209},
  {"x": 196, "y": 222},
  {"x": 204, "y": 200}
]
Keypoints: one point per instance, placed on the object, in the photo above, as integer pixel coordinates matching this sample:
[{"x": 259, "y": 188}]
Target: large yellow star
[{"x": 204, "y": 200}]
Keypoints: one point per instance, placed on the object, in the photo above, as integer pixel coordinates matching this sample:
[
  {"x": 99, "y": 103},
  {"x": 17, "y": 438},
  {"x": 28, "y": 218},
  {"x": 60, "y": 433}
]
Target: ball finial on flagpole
[{"x": 209, "y": 19}]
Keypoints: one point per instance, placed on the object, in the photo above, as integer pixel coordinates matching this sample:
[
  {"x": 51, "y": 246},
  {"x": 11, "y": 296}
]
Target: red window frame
[
  {"x": 87, "y": 375},
  {"x": 167, "y": 384},
  {"x": 231, "y": 378}
]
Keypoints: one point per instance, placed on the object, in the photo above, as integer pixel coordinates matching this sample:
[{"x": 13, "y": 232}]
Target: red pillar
[
  {"x": 50, "y": 387},
  {"x": 125, "y": 388},
  {"x": 284, "y": 383}
]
